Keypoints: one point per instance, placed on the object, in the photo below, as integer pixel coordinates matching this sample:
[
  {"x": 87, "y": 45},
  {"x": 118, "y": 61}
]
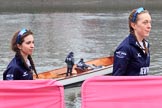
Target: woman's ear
[
  {"x": 19, "y": 46},
  {"x": 133, "y": 25}
]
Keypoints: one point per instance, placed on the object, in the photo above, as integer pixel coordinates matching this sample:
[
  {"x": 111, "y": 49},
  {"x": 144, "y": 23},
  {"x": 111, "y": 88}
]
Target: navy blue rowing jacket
[
  {"x": 70, "y": 60},
  {"x": 16, "y": 70},
  {"x": 129, "y": 59}
]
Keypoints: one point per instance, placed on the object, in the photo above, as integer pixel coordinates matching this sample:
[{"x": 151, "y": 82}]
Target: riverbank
[{"x": 35, "y": 6}]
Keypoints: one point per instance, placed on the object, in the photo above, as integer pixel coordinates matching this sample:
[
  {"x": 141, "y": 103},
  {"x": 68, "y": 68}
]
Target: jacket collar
[
  {"x": 133, "y": 41},
  {"x": 20, "y": 61}
]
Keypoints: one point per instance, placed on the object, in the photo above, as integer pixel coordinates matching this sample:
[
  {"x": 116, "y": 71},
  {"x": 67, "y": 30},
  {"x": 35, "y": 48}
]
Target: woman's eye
[
  {"x": 145, "y": 22},
  {"x": 28, "y": 42}
]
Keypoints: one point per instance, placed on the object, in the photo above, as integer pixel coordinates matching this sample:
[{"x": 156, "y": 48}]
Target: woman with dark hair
[
  {"x": 21, "y": 66},
  {"x": 132, "y": 56}
]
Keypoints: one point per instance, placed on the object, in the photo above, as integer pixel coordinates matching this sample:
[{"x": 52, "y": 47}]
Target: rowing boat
[{"x": 103, "y": 67}]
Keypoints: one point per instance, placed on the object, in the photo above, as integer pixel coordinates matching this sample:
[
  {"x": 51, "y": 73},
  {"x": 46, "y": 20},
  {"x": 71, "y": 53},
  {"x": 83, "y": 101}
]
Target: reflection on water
[{"x": 88, "y": 35}]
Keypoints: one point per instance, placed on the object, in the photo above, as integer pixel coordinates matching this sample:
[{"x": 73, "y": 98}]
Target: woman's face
[
  {"x": 142, "y": 27},
  {"x": 27, "y": 46}
]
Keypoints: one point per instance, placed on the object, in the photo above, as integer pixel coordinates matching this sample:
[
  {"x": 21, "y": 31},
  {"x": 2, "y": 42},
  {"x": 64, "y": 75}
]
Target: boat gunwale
[
  {"x": 79, "y": 74},
  {"x": 87, "y": 72}
]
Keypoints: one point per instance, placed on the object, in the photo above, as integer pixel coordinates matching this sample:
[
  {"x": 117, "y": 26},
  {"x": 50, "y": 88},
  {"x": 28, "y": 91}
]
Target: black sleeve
[{"x": 11, "y": 74}]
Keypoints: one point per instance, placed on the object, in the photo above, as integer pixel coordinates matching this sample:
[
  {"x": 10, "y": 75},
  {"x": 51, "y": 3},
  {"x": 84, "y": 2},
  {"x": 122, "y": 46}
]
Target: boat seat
[{"x": 79, "y": 70}]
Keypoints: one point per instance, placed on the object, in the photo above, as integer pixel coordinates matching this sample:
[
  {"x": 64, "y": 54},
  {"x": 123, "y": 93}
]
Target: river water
[{"x": 88, "y": 35}]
